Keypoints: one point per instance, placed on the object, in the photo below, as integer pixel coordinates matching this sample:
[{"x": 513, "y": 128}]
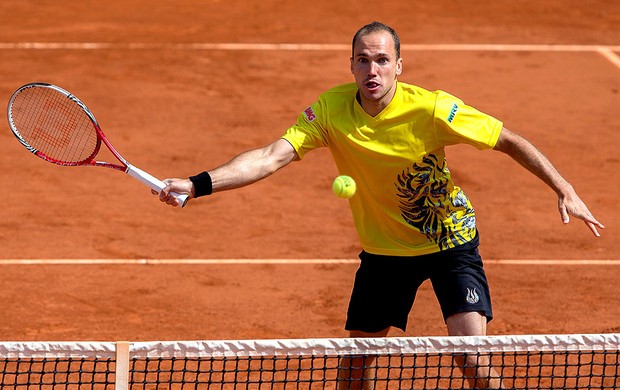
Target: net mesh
[
  {"x": 52, "y": 125},
  {"x": 509, "y": 362}
]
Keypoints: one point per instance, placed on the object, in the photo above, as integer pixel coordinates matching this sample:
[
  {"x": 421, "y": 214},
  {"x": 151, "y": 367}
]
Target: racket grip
[{"x": 153, "y": 182}]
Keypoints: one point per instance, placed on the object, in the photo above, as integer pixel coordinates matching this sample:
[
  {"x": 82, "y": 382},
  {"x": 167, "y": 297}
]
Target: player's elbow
[{"x": 278, "y": 155}]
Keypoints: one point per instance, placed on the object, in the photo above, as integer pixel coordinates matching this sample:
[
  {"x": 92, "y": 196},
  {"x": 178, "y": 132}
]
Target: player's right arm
[{"x": 244, "y": 169}]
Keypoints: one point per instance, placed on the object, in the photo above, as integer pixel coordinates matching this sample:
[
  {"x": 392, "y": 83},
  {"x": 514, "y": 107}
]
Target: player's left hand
[{"x": 571, "y": 204}]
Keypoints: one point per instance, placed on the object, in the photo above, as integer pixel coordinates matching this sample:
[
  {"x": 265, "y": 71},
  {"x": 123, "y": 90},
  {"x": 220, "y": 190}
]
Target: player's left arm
[{"x": 526, "y": 154}]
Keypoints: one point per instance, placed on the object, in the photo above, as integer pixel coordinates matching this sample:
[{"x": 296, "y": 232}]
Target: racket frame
[{"x": 126, "y": 167}]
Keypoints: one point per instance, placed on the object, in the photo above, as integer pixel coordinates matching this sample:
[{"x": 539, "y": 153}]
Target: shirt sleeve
[
  {"x": 309, "y": 132},
  {"x": 455, "y": 123}
]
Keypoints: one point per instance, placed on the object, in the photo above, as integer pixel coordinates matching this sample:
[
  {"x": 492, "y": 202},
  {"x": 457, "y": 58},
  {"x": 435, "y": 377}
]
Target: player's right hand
[{"x": 179, "y": 186}]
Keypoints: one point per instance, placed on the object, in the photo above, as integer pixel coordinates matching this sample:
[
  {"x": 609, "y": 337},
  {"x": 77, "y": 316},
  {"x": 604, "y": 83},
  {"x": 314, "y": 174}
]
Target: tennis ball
[{"x": 344, "y": 186}]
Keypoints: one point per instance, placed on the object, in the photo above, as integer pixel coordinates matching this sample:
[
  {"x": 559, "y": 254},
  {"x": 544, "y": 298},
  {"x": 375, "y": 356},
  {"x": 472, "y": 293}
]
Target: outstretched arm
[
  {"x": 526, "y": 154},
  {"x": 244, "y": 169}
]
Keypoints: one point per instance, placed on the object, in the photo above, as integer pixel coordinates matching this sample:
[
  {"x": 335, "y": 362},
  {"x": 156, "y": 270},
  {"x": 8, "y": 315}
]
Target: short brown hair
[{"x": 374, "y": 27}]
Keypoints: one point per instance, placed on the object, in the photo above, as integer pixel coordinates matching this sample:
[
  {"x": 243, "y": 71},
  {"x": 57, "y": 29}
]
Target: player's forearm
[
  {"x": 245, "y": 169},
  {"x": 528, "y": 156}
]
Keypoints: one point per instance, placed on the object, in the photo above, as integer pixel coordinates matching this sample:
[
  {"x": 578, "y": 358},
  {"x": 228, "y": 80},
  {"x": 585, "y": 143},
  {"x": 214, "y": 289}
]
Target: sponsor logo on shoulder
[
  {"x": 455, "y": 108},
  {"x": 310, "y": 115}
]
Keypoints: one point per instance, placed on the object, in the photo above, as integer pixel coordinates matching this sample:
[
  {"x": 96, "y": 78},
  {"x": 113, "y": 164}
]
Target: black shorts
[{"x": 385, "y": 286}]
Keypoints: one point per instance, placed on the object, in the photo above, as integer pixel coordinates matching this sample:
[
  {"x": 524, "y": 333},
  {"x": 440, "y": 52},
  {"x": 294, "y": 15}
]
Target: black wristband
[{"x": 202, "y": 184}]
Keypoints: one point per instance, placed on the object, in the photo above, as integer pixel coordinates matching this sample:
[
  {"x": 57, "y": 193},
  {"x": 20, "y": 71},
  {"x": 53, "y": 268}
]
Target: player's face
[{"x": 375, "y": 67}]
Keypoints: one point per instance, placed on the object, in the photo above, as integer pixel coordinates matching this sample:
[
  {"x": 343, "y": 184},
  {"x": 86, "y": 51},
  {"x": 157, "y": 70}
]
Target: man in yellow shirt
[
  {"x": 414, "y": 223},
  {"x": 407, "y": 204}
]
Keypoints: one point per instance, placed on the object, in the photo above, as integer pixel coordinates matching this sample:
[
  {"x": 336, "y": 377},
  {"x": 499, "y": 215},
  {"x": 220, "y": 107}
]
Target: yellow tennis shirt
[{"x": 406, "y": 203}]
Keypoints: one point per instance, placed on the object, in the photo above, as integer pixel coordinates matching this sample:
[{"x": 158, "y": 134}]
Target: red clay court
[{"x": 182, "y": 86}]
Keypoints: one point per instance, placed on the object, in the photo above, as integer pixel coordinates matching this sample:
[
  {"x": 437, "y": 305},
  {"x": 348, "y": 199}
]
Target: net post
[{"x": 122, "y": 365}]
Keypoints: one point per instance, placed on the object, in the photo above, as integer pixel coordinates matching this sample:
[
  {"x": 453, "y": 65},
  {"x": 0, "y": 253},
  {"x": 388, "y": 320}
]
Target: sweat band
[{"x": 202, "y": 184}]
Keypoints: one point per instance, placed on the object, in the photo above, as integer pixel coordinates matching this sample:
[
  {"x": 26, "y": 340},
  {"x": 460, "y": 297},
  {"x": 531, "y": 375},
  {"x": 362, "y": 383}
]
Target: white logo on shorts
[{"x": 472, "y": 296}]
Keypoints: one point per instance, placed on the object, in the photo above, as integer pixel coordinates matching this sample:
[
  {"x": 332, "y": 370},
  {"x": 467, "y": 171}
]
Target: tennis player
[{"x": 413, "y": 222}]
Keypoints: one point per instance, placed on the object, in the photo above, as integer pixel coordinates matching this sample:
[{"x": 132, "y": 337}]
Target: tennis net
[{"x": 511, "y": 362}]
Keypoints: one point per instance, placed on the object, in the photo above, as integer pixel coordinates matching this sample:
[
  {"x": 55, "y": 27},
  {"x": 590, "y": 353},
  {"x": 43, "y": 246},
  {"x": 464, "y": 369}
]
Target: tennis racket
[{"x": 57, "y": 127}]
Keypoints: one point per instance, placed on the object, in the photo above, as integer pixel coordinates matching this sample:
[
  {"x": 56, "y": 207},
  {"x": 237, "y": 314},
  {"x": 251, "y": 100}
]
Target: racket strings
[{"x": 55, "y": 125}]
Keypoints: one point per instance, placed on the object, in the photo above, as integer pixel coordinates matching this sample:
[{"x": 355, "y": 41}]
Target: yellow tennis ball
[{"x": 344, "y": 186}]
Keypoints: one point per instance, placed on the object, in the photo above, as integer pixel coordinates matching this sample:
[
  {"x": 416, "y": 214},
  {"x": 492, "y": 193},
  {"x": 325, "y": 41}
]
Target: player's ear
[
  {"x": 399, "y": 66},
  {"x": 351, "y": 59}
]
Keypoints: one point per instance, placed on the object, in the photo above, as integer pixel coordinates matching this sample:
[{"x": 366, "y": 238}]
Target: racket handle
[{"x": 153, "y": 182}]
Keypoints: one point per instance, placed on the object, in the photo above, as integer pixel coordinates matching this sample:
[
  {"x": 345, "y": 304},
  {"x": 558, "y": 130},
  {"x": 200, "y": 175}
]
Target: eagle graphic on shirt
[{"x": 431, "y": 203}]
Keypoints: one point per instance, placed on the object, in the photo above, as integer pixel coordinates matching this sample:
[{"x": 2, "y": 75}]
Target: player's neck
[{"x": 374, "y": 107}]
